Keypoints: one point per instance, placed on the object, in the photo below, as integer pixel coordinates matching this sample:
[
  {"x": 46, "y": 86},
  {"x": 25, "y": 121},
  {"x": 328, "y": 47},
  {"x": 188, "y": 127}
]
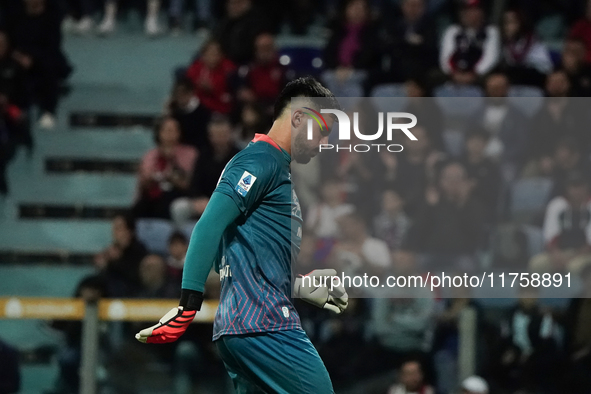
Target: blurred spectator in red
[
  {"x": 206, "y": 172},
  {"x": 353, "y": 43},
  {"x": 483, "y": 171},
  {"x": 449, "y": 227},
  {"x": 120, "y": 261},
  {"x": 210, "y": 73},
  {"x": 36, "y": 37},
  {"x": 253, "y": 120},
  {"x": 165, "y": 172},
  {"x": 190, "y": 113},
  {"x": 525, "y": 58},
  {"x": 236, "y": 33},
  {"x": 506, "y": 125},
  {"x": 263, "y": 79},
  {"x": 411, "y": 380},
  {"x": 578, "y": 336},
  {"x": 391, "y": 224},
  {"x": 559, "y": 117},
  {"x": 472, "y": 48},
  {"x": 154, "y": 281},
  {"x": 411, "y": 41},
  {"x": 177, "y": 251},
  {"x": 582, "y": 31},
  {"x": 567, "y": 229},
  {"x": 575, "y": 64}
]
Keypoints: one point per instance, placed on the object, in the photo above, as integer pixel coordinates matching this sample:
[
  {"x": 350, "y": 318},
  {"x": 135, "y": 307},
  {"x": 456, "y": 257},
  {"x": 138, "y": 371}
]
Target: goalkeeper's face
[{"x": 305, "y": 148}]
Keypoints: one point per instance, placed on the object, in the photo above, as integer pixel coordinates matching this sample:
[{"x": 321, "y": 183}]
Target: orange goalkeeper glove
[{"x": 175, "y": 322}]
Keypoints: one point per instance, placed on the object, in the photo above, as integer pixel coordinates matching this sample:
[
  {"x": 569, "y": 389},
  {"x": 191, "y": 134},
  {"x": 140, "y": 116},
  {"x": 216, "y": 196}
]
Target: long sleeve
[
  {"x": 221, "y": 212},
  {"x": 491, "y": 51},
  {"x": 447, "y": 49}
]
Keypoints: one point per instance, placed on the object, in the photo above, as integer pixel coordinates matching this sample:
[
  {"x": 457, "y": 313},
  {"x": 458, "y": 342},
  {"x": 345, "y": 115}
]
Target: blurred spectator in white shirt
[{"x": 323, "y": 216}]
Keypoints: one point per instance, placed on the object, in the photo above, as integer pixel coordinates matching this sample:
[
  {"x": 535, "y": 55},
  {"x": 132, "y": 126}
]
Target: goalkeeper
[{"x": 251, "y": 229}]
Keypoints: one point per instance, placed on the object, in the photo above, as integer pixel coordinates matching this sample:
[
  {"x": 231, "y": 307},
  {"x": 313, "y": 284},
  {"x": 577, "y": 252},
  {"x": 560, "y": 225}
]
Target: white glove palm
[{"x": 317, "y": 291}]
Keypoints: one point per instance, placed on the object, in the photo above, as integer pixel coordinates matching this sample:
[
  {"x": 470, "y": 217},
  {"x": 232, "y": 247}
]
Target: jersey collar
[{"x": 265, "y": 138}]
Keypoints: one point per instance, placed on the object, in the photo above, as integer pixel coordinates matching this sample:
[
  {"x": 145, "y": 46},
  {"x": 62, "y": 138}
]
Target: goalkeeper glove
[
  {"x": 335, "y": 300},
  {"x": 175, "y": 322}
]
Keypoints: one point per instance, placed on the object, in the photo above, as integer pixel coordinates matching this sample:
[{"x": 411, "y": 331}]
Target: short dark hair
[
  {"x": 477, "y": 131},
  {"x": 303, "y": 87}
]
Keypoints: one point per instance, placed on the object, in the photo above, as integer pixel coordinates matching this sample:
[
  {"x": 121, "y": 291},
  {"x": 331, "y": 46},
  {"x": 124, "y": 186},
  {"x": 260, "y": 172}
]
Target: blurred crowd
[{"x": 507, "y": 187}]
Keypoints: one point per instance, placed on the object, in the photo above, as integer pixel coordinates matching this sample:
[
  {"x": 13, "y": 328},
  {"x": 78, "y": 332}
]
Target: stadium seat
[
  {"x": 396, "y": 94},
  {"x": 457, "y": 100},
  {"x": 154, "y": 233},
  {"x": 302, "y": 60},
  {"x": 528, "y": 198},
  {"x": 528, "y": 99}
]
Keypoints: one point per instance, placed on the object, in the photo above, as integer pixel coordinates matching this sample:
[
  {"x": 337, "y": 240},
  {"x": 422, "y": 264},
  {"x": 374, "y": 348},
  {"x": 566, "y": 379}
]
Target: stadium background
[{"x": 72, "y": 180}]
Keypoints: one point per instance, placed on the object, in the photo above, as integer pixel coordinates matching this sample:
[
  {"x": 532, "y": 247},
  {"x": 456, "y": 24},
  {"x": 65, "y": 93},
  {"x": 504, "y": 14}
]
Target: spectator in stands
[
  {"x": 154, "y": 281},
  {"x": 78, "y": 18},
  {"x": 202, "y": 17},
  {"x": 391, "y": 224},
  {"x": 36, "y": 38},
  {"x": 567, "y": 159},
  {"x": 474, "y": 385},
  {"x": 411, "y": 380},
  {"x": 558, "y": 118},
  {"x": 165, "y": 172},
  {"x": 412, "y": 42},
  {"x": 323, "y": 216},
  {"x": 422, "y": 105},
  {"x": 119, "y": 263},
  {"x": 177, "y": 251},
  {"x": 206, "y": 172},
  {"x": 13, "y": 78},
  {"x": 529, "y": 352},
  {"x": 525, "y": 59},
  {"x": 472, "y": 48},
  {"x": 236, "y": 32},
  {"x": 7, "y": 150},
  {"x": 578, "y": 336},
  {"x": 91, "y": 289},
  {"x": 483, "y": 171},
  {"x": 352, "y": 44},
  {"x": 10, "y": 377},
  {"x": 262, "y": 80},
  {"x": 210, "y": 74},
  {"x": 505, "y": 124},
  {"x": 410, "y": 171},
  {"x": 449, "y": 227},
  {"x": 190, "y": 113},
  {"x": 356, "y": 250},
  {"x": 253, "y": 120},
  {"x": 582, "y": 30},
  {"x": 151, "y": 26},
  {"x": 575, "y": 64},
  {"x": 567, "y": 229}
]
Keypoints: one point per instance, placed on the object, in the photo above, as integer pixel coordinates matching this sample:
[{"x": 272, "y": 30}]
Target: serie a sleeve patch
[{"x": 245, "y": 183}]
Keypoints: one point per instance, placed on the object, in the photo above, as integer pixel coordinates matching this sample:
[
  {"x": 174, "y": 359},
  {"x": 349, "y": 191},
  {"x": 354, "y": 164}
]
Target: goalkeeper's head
[{"x": 300, "y": 101}]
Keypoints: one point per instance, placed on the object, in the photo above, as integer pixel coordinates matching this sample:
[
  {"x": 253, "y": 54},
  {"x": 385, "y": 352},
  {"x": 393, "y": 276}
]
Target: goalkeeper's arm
[{"x": 221, "y": 212}]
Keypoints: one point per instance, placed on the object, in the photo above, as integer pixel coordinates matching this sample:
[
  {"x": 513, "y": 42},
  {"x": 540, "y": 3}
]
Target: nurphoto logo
[{"x": 392, "y": 124}]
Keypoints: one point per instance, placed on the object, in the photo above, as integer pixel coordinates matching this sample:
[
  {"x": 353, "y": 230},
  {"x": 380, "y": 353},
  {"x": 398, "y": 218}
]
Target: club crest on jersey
[{"x": 245, "y": 183}]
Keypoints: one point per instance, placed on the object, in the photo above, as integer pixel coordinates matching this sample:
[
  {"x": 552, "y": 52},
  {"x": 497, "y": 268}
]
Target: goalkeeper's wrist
[{"x": 191, "y": 300}]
